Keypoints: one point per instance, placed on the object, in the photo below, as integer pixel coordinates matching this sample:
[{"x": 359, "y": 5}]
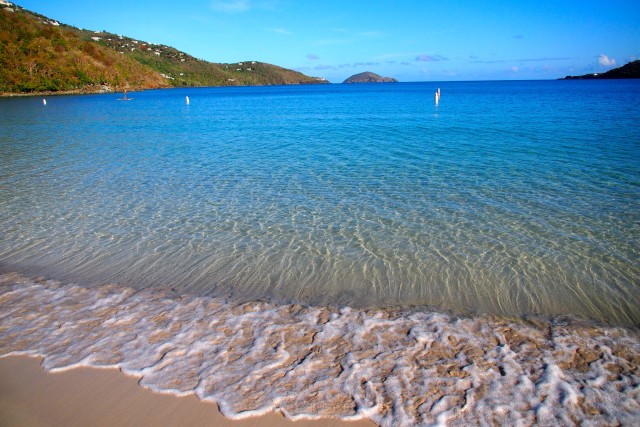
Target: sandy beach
[
  {"x": 107, "y": 348},
  {"x": 454, "y": 245},
  {"x": 30, "y": 396}
]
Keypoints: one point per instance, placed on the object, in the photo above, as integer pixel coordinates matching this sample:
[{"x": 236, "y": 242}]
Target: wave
[{"x": 393, "y": 367}]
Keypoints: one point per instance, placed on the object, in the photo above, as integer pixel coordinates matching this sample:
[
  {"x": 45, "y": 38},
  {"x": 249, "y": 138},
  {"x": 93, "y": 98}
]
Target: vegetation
[
  {"x": 38, "y": 54},
  {"x": 627, "y": 71},
  {"x": 369, "y": 77}
]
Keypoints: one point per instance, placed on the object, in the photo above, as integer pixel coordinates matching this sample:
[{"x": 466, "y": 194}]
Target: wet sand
[
  {"x": 252, "y": 359},
  {"x": 30, "y": 396}
]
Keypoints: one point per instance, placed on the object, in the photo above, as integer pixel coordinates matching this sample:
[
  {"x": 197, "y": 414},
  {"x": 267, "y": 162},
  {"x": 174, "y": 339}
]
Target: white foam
[{"x": 395, "y": 368}]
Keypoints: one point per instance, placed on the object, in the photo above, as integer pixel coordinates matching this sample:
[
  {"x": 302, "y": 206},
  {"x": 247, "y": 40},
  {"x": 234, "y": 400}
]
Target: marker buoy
[
  {"x": 44, "y": 102},
  {"x": 187, "y": 98}
]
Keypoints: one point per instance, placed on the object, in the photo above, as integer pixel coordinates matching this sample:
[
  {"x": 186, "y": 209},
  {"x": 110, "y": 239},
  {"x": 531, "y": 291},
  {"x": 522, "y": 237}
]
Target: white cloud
[
  {"x": 282, "y": 31},
  {"x": 371, "y": 34},
  {"x": 606, "y": 61},
  {"x": 325, "y": 42},
  {"x": 230, "y": 6},
  {"x": 402, "y": 55},
  {"x": 431, "y": 58},
  {"x": 241, "y": 6}
]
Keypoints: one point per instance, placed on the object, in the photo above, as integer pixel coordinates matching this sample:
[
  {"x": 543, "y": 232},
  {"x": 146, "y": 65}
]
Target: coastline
[
  {"x": 319, "y": 363},
  {"x": 101, "y": 91},
  {"x": 107, "y": 89},
  {"x": 105, "y": 397}
]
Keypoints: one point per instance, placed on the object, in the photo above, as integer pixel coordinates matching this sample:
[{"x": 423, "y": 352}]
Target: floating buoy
[
  {"x": 44, "y": 102},
  {"x": 437, "y": 97},
  {"x": 187, "y": 100}
]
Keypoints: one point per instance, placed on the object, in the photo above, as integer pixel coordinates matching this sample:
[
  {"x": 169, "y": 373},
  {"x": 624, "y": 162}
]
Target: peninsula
[
  {"x": 369, "y": 77},
  {"x": 627, "y": 71}
]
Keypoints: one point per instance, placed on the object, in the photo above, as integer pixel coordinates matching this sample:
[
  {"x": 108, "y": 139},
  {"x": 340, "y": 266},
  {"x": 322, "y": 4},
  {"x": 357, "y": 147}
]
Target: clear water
[{"x": 508, "y": 197}]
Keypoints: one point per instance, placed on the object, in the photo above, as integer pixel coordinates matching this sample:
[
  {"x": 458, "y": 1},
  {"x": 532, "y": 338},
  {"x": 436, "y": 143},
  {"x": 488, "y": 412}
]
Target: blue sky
[{"x": 411, "y": 40}]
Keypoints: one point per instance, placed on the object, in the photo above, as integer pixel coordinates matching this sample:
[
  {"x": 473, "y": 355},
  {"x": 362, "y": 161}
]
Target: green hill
[
  {"x": 369, "y": 77},
  {"x": 630, "y": 70},
  {"x": 38, "y": 54}
]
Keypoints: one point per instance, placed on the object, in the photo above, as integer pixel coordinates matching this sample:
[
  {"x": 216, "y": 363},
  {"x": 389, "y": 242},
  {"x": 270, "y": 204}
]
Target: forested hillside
[
  {"x": 630, "y": 70},
  {"x": 38, "y": 54}
]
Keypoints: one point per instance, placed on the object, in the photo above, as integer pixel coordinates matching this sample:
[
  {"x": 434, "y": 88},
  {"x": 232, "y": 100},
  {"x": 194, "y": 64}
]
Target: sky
[{"x": 410, "y": 40}]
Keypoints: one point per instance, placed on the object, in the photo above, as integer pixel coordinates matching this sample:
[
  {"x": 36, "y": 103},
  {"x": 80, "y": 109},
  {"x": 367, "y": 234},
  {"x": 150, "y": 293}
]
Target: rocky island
[
  {"x": 369, "y": 77},
  {"x": 628, "y": 71}
]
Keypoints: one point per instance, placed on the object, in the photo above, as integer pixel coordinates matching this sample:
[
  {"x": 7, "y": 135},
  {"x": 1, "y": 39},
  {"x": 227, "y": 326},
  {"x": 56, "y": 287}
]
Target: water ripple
[{"x": 502, "y": 202}]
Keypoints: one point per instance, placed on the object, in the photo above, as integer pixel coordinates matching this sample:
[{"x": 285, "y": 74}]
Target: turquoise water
[{"x": 507, "y": 197}]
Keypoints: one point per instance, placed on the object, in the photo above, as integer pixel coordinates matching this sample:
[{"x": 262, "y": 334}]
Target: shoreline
[
  {"x": 331, "y": 365},
  {"x": 72, "y": 92},
  {"x": 108, "y": 90},
  {"x": 84, "y": 396}
]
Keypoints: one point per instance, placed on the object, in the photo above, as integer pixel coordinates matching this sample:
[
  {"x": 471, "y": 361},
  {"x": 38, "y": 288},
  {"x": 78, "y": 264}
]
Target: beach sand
[
  {"x": 30, "y": 396},
  {"x": 396, "y": 368}
]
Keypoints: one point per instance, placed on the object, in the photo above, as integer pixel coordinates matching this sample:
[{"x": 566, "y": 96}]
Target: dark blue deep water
[{"x": 506, "y": 197}]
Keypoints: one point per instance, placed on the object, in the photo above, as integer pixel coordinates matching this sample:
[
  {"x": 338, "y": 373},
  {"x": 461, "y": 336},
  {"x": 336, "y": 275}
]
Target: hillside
[
  {"x": 38, "y": 54},
  {"x": 182, "y": 69},
  {"x": 627, "y": 71},
  {"x": 369, "y": 77}
]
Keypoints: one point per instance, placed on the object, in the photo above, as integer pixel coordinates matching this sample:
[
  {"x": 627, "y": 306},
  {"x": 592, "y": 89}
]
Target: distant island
[
  {"x": 628, "y": 71},
  {"x": 369, "y": 77},
  {"x": 40, "y": 55}
]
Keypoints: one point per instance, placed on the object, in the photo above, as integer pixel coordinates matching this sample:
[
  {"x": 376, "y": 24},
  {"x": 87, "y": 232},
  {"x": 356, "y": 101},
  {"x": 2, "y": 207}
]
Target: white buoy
[
  {"x": 437, "y": 98},
  {"x": 187, "y": 100},
  {"x": 44, "y": 102}
]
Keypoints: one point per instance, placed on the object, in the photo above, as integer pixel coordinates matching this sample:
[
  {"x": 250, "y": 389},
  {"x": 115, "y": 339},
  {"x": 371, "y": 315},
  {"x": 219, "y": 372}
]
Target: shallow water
[
  {"x": 182, "y": 236},
  {"x": 508, "y": 197}
]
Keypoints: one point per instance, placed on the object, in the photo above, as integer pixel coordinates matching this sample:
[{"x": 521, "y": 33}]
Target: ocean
[{"x": 356, "y": 251}]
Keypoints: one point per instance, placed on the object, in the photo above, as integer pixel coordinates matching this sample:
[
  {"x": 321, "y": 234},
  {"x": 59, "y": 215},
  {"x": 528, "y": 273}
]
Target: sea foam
[{"x": 395, "y": 368}]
